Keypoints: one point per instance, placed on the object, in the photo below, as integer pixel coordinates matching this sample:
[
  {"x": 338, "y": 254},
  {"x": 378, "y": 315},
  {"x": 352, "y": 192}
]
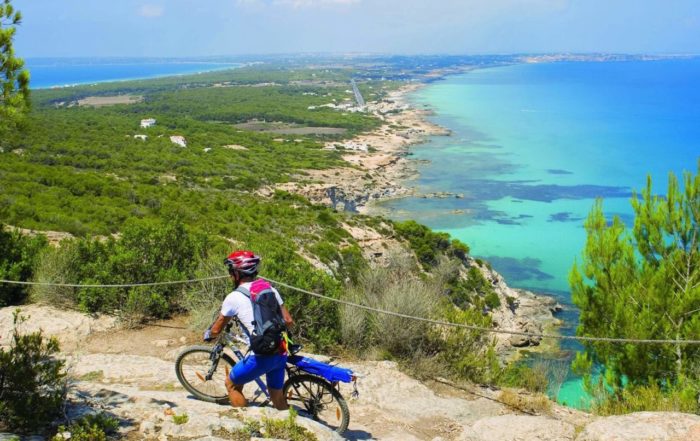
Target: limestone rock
[
  {"x": 70, "y": 327},
  {"x": 147, "y": 427},
  {"x": 643, "y": 426},
  {"x": 163, "y": 343},
  {"x": 519, "y": 427}
]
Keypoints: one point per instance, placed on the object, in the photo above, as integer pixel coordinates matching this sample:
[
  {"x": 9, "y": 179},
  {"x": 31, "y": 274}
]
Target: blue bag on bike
[{"x": 315, "y": 367}]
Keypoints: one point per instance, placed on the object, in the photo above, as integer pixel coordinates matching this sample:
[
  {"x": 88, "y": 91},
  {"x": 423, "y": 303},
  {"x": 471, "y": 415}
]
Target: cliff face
[
  {"x": 130, "y": 375},
  {"x": 521, "y": 311}
]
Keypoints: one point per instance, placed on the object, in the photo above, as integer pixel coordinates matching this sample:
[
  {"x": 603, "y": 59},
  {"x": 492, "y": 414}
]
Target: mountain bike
[{"x": 312, "y": 387}]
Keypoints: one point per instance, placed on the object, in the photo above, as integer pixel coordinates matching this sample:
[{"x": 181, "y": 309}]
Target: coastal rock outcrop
[
  {"x": 520, "y": 311},
  {"x": 651, "y": 426},
  {"x": 519, "y": 427}
]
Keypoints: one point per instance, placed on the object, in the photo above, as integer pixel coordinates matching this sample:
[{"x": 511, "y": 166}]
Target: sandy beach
[{"x": 378, "y": 167}]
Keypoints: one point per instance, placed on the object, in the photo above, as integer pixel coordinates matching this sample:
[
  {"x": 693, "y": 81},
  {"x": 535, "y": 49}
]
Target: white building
[
  {"x": 146, "y": 123},
  {"x": 179, "y": 140},
  {"x": 141, "y": 137}
]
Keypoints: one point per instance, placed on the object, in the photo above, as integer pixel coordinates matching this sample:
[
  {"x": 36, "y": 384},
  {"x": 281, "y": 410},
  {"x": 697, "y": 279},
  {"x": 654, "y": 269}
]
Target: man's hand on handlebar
[{"x": 216, "y": 328}]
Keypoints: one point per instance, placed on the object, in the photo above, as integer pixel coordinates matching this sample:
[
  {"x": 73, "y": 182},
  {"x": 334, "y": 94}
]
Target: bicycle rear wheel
[
  {"x": 318, "y": 398},
  {"x": 193, "y": 366}
]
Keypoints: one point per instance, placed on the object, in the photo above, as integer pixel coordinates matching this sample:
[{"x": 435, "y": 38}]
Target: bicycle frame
[{"x": 227, "y": 340}]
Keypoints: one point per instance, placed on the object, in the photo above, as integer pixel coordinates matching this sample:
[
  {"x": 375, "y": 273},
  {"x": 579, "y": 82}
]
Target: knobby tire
[
  {"x": 191, "y": 368},
  {"x": 318, "y": 398}
]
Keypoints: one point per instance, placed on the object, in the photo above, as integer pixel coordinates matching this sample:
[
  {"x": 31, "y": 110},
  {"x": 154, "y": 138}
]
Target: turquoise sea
[
  {"x": 533, "y": 145},
  {"x": 59, "y": 72}
]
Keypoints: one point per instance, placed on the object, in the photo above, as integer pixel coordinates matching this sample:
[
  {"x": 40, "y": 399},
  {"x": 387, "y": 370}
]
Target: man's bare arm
[
  {"x": 287, "y": 317},
  {"x": 219, "y": 325}
]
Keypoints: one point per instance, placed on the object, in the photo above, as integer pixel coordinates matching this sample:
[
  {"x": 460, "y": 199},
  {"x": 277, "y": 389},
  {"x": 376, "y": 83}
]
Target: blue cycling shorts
[{"x": 253, "y": 366}]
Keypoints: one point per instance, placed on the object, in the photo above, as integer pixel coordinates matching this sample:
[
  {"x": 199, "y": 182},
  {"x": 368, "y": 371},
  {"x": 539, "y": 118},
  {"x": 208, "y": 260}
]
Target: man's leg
[
  {"x": 235, "y": 393},
  {"x": 244, "y": 371},
  {"x": 278, "y": 399},
  {"x": 275, "y": 382}
]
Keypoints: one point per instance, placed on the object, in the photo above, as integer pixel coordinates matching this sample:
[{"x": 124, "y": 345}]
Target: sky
[{"x": 172, "y": 28}]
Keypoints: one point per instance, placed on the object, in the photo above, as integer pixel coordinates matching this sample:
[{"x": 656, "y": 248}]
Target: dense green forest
[{"x": 80, "y": 169}]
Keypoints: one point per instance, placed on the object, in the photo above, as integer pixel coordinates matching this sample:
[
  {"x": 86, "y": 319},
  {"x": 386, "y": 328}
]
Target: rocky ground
[{"x": 130, "y": 374}]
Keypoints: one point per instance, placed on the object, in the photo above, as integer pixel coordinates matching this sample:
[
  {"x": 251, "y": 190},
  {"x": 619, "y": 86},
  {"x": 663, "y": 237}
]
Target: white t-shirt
[{"x": 237, "y": 304}]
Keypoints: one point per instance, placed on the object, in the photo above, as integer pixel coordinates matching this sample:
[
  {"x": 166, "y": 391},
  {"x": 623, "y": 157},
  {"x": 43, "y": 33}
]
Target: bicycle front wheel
[
  {"x": 192, "y": 368},
  {"x": 318, "y": 398}
]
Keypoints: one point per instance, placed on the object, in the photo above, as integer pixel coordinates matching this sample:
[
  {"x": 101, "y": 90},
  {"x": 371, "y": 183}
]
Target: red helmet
[{"x": 245, "y": 262}]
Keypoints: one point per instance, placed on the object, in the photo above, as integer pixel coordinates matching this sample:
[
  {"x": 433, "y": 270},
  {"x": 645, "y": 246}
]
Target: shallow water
[
  {"x": 49, "y": 72},
  {"x": 533, "y": 145}
]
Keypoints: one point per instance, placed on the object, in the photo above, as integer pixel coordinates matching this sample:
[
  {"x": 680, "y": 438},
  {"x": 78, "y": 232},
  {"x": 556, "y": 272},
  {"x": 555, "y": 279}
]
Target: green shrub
[
  {"x": 459, "y": 352},
  {"x": 423, "y": 241},
  {"x": 390, "y": 289},
  {"x": 459, "y": 249},
  {"x": 33, "y": 381},
  {"x": 652, "y": 397},
  {"x": 519, "y": 374},
  {"x": 94, "y": 427},
  {"x": 469, "y": 354},
  {"x": 492, "y": 300},
  {"x": 287, "y": 429},
  {"x": 145, "y": 252},
  {"x": 18, "y": 255},
  {"x": 181, "y": 419}
]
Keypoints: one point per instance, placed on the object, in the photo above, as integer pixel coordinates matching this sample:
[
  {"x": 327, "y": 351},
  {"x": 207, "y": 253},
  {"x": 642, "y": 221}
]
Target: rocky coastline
[{"x": 382, "y": 169}]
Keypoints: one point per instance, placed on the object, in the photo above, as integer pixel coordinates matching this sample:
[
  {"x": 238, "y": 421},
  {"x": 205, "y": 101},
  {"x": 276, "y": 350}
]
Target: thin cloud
[
  {"x": 298, "y": 3},
  {"x": 311, "y": 3},
  {"x": 151, "y": 11}
]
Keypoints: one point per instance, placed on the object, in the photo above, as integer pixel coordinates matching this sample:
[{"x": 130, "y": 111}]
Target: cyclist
[{"x": 243, "y": 269}]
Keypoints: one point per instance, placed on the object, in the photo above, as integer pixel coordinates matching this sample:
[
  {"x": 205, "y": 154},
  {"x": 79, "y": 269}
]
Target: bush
[
  {"x": 519, "y": 374},
  {"x": 282, "y": 429},
  {"x": 33, "y": 381},
  {"x": 427, "y": 244},
  {"x": 18, "y": 255},
  {"x": 460, "y": 352},
  {"x": 315, "y": 319},
  {"x": 391, "y": 289},
  {"x": 469, "y": 354},
  {"x": 287, "y": 429},
  {"x": 653, "y": 397},
  {"x": 181, "y": 419},
  {"x": 93, "y": 427},
  {"x": 145, "y": 252},
  {"x": 492, "y": 300},
  {"x": 530, "y": 403}
]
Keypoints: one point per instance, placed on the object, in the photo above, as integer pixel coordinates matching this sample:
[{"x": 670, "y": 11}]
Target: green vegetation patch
[{"x": 33, "y": 381}]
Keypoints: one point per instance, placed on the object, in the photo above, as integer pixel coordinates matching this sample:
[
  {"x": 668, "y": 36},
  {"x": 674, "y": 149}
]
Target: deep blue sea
[
  {"x": 60, "y": 72},
  {"x": 533, "y": 145}
]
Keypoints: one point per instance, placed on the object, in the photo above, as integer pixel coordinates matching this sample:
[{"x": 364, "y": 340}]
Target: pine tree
[
  {"x": 14, "y": 79},
  {"x": 643, "y": 284}
]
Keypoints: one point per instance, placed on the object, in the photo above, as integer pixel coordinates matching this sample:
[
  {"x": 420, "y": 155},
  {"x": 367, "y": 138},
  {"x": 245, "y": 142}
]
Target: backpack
[{"x": 268, "y": 323}]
